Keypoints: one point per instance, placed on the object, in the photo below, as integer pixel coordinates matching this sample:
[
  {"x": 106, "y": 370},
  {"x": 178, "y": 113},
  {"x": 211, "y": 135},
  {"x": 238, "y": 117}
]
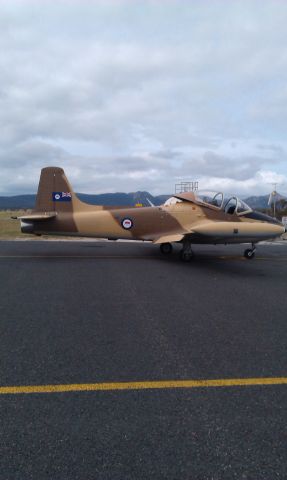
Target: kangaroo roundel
[{"x": 127, "y": 223}]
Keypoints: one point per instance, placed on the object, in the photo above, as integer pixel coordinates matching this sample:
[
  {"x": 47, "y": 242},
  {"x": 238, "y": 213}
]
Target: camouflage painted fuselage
[{"x": 188, "y": 219}]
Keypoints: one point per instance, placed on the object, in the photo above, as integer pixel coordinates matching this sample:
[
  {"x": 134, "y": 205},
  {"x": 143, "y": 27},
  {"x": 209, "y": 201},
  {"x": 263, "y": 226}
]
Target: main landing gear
[
  {"x": 166, "y": 248},
  {"x": 250, "y": 252},
  {"x": 186, "y": 253}
]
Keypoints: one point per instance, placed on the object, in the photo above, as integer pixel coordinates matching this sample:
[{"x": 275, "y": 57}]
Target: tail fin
[{"x": 55, "y": 193}]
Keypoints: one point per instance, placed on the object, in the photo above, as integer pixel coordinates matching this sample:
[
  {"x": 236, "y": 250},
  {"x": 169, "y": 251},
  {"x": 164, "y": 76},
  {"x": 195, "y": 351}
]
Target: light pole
[
  {"x": 274, "y": 203},
  {"x": 273, "y": 194}
]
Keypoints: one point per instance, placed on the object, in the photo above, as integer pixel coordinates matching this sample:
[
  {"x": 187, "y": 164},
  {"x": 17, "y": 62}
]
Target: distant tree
[
  {"x": 281, "y": 209},
  {"x": 281, "y": 205}
]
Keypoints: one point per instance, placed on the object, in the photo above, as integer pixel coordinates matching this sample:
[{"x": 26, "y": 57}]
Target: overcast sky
[{"x": 136, "y": 95}]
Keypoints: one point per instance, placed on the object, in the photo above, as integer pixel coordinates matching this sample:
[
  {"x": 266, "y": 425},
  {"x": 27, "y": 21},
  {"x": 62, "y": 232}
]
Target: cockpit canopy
[
  {"x": 230, "y": 204},
  {"x": 217, "y": 200}
]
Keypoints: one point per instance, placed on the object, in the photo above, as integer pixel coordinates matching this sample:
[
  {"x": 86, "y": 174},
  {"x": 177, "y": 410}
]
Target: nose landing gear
[{"x": 250, "y": 252}]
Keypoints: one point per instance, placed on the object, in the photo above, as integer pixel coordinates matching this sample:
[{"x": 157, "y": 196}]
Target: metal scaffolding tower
[{"x": 186, "y": 187}]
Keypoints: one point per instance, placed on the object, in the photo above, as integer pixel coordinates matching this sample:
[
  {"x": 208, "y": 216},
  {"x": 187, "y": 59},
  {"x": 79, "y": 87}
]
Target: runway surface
[{"x": 93, "y": 313}]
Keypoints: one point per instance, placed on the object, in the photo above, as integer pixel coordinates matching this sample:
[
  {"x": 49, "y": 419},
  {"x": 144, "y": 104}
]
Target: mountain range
[
  {"x": 111, "y": 199},
  {"x": 261, "y": 201},
  {"x": 119, "y": 199}
]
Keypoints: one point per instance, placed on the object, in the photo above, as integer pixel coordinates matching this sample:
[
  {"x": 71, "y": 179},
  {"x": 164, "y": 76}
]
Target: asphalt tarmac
[{"x": 91, "y": 312}]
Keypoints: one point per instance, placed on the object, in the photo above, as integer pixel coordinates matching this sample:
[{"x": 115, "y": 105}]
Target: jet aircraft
[{"x": 187, "y": 218}]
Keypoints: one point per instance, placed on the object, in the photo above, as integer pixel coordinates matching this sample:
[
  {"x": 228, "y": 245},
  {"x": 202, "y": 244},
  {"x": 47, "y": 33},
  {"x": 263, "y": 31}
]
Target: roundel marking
[
  {"x": 57, "y": 196},
  {"x": 127, "y": 223}
]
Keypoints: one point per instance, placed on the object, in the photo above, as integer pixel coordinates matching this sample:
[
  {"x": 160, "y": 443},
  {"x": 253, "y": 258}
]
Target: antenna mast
[{"x": 274, "y": 194}]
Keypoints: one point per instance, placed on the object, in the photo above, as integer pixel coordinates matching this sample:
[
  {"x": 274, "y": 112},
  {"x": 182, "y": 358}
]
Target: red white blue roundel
[{"x": 127, "y": 223}]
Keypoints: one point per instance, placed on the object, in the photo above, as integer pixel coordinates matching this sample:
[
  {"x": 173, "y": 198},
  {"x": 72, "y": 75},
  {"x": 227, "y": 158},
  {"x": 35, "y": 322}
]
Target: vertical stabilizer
[{"x": 55, "y": 193}]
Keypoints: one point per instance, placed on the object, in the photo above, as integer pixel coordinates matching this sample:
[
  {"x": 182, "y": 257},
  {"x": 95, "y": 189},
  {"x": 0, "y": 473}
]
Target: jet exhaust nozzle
[{"x": 27, "y": 227}]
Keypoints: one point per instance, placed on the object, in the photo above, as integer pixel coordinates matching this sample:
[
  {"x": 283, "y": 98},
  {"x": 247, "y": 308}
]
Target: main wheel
[
  {"x": 249, "y": 253},
  {"x": 186, "y": 256},
  {"x": 166, "y": 248}
]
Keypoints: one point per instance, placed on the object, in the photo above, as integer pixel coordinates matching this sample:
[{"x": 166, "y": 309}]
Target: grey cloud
[
  {"x": 167, "y": 154},
  {"x": 214, "y": 165},
  {"x": 277, "y": 149},
  {"x": 20, "y": 169},
  {"x": 151, "y": 101}
]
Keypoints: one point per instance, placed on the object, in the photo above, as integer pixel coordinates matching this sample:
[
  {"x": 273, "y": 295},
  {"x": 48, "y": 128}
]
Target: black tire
[
  {"x": 249, "y": 253},
  {"x": 186, "y": 256},
  {"x": 166, "y": 248}
]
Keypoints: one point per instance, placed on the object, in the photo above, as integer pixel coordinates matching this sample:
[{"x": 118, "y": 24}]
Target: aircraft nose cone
[{"x": 277, "y": 230}]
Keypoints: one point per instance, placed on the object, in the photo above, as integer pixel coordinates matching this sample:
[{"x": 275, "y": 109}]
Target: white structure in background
[
  {"x": 186, "y": 187},
  {"x": 284, "y": 221},
  {"x": 273, "y": 197}
]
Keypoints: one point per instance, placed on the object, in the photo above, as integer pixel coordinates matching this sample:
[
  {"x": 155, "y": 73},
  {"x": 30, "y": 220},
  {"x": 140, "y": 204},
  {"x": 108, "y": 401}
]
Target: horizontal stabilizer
[
  {"x": 169, "y": 238},
  {"x": 36, "y": 217}
]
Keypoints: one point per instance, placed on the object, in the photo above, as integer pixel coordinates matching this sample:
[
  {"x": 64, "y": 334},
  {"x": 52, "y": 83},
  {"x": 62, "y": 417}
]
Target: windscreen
[
  {"x": 242, "y": 207},
  {"x": 214, "y": 199}
]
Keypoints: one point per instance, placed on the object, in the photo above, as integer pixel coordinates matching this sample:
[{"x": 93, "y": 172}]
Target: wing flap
[{"x": 169, "y": 238}]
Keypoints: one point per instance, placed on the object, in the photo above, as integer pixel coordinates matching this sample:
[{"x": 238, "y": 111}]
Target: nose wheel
[{"x": 250, "y": 252}]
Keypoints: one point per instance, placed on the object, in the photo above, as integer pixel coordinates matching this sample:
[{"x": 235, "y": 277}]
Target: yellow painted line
[{"x": 145, "y": 385}]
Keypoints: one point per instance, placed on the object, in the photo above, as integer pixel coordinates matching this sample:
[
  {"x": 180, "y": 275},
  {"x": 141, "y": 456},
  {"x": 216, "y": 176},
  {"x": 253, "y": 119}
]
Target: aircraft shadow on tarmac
[
  {"x": 229, "y": 261},
  {"x": 220, "y": 262},
  {"x": 221, "y": 266}
]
